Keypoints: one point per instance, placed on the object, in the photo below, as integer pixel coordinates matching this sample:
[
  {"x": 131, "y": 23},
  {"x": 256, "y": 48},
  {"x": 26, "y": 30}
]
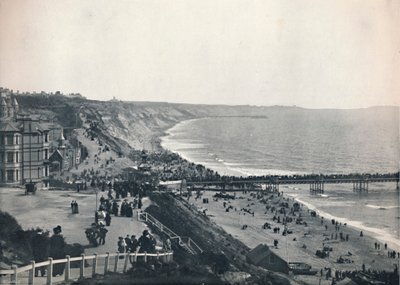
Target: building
[
  {"x": 24, "y": 145},
  {"x": 263, "y": 256}
]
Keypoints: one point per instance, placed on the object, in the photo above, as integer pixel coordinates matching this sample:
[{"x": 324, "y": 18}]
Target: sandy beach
[{"x": 301, "y": 245}]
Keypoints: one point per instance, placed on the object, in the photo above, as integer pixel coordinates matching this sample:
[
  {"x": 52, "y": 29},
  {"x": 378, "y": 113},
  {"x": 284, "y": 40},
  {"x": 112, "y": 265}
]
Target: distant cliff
[
  {"x": 137, "y": 124},
  {"x": 140, "y": 124}
]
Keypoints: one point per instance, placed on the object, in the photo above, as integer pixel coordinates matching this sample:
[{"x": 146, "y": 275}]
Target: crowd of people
[
  {"x": 364, "y": 275},
  {"x": 285, "y": 211},
  {"x": 145, "y": 243}
]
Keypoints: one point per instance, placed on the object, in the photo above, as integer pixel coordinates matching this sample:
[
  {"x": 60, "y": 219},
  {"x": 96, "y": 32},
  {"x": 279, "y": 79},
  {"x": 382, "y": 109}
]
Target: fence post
[
  {"x": 106, "y": 263},
  {"x": 31, "y": 280},
  {"x": 126, "y": 262},
  {"x": 116, "y": 262},
  {"x": 94, "y": 265},
  {"x": 67, "y": 268},
  {"x": 50, "y": 272},
  {"x": 82, "y": 267},
  {"x": 14, "y": 278}
]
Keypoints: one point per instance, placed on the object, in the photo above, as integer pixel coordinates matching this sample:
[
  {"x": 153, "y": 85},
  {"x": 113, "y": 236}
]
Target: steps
[{"x": 185, "y": 242}]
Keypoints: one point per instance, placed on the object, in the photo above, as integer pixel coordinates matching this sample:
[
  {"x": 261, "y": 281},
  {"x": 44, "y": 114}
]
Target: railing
[
  {"x": 328, "y": 180},
  {"x": 146, "y": 217},
  {"x": 185, "y": 242},
  {"x": 16, "y": 272},
  {"x": 192, "y": 244}
]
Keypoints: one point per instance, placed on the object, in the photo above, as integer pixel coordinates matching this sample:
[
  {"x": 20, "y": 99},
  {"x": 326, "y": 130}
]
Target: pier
[{"x": 317, "y": 183}]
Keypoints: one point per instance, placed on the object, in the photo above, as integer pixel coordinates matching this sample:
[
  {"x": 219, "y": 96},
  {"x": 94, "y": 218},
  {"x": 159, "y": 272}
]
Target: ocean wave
[
  {"x": 380, "y": 234},
  {"x": 381, "y": 207},
  {"x": 174, "y": 145},
  {"x": 261, "y": 171}
]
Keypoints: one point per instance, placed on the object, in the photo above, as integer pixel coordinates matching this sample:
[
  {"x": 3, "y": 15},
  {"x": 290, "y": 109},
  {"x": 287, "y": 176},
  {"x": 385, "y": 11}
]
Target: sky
[{"x": 309, "y": 53}]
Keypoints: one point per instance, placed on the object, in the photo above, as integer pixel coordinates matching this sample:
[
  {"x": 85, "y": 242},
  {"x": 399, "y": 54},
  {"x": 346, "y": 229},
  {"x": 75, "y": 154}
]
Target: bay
[{"x": 301, "y": 141}]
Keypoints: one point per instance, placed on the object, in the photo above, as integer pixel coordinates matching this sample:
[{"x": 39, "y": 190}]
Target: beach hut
[{"x": 263, "y": 256}]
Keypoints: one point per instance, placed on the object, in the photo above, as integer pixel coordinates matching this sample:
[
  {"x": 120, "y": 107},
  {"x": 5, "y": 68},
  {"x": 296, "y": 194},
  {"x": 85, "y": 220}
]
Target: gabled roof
[
  {"x": 14, "y": 102},
  {"x": 9, "y": 126},
  {"x": 55, "y": 153},
  {"x": 258, "y": 254}
]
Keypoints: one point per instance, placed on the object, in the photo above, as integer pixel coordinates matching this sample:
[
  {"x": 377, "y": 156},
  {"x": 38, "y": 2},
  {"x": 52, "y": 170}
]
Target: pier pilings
[
  {"x": 360, "y": 186},
  {"x": 273, "y": 187},
  {"x": 317, "y": 187}
]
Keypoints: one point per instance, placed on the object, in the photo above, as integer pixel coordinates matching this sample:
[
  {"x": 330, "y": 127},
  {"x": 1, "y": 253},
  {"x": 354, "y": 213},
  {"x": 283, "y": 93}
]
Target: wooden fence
[{"x": 17, "y": 275}]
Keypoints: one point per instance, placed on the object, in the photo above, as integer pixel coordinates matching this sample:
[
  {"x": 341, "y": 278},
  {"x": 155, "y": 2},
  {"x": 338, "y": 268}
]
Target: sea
[{"x": 292, "y": 140}]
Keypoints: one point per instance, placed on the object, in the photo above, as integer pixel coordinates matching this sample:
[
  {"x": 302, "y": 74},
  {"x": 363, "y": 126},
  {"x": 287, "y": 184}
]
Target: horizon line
[{"x": 116, "y": 100}]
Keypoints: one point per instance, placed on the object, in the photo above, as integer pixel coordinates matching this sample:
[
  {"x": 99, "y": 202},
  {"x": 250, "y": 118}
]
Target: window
[
  {"x": 38, "y": 154},
  {"x": 17, "y": 139},
  {"x": 10, "y": 175},
  {"x": 10, "y": 140},
  {"x": 10, "y": 157},
  {"x": 16, "y": 175},
  {"x": 16, "y": 156},
  {"x": 46, "y": 154},
  {"x": 46, "y": 171},
  {"x": 46, "y": 137},
  {"x": 38, "y": 172}
]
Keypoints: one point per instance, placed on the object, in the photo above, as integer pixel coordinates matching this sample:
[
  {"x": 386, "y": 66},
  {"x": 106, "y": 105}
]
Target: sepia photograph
[{"x": 199, "y": 142}]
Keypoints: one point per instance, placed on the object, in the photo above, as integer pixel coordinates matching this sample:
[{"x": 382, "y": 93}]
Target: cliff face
[
  {"x": 134, "y": 124},
  {"x": 140, "y": 124}
]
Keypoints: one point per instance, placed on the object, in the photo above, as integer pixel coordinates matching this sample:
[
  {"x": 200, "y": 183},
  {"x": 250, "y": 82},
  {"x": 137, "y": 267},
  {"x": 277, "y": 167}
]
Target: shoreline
[
  {"x": 373, "y": 232},
  {"x": 302, "y": 244}
]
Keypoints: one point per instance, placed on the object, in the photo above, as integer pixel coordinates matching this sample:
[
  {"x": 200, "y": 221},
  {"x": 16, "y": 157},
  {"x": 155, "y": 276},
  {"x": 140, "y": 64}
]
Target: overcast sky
[{"x": 311, "y": 53}]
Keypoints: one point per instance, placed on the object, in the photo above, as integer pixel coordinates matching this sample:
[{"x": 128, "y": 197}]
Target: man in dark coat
[
  {"x": 102, "y": 234},
  {"x": 40, "y": 250},
  {"x": 115, "y": 208},
  {"x": 128, "y": 243},
  {"x": 145, "y": 242},
  {"x": 134, "y": 243},
  {"x": 108, "y": 219},
  {"x": 57, "y": 250}
]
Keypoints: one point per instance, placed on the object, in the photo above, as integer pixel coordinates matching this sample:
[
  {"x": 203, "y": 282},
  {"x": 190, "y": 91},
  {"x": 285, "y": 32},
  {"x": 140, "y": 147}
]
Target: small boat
[{"x": 301, "y": 268}]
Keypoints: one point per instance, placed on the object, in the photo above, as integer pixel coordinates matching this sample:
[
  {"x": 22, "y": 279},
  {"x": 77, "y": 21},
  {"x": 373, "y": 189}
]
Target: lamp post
[{"x": 95, "y": 210}]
